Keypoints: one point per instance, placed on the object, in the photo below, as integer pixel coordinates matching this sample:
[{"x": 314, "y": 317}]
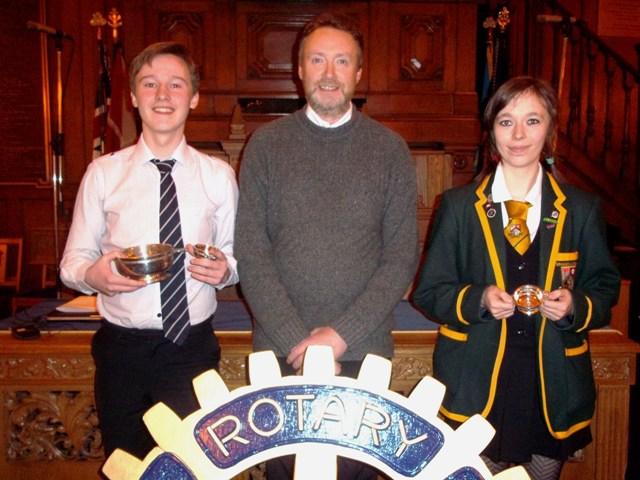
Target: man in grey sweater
[{"x": 326, "y": 235}]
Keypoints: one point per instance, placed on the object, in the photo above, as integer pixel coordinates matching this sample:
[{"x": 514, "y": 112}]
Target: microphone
[
  {"x": 40, "y": 27},
  {"x": 547, "y": 18}
]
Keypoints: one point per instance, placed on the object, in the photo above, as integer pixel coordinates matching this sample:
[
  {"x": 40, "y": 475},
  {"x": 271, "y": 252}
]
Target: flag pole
[
  {"x": 102, "y": 88},
  {"x": 121, "y": 131},
  {"x": 115, "y": 22},
  {"x": 500, "y": 44}
]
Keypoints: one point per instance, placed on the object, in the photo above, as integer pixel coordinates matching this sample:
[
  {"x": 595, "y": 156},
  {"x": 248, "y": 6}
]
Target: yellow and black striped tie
[{"x": 516, "y": 230}]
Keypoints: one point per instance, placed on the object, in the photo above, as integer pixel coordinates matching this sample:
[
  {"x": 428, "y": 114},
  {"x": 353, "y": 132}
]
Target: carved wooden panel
[
  {"x": 422, "y": 47},
  {"x": 271, "y": 45},
  {"x": 191, "y": 23},
  {"x": 233, "y": 368},
  {"x": 41, "y": 368},
  {"x": 409, "y": 369},
  {"x": 422, "y": 53},
  {"x": 183, "y": 27},
  {"x": 51, "y": 425},
  {"x": 267, "y": 47},
  {"x": 612, "y": 369}
]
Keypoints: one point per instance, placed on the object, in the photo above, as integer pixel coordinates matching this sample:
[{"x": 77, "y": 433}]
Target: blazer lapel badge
[
  {"x": 489, "y": 207},
  {"x": 551, "y": 221}
]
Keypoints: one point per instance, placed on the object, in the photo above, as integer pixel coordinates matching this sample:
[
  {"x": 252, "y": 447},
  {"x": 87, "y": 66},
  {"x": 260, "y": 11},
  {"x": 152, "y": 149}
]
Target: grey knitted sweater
[{"x": 326, "y": 232}]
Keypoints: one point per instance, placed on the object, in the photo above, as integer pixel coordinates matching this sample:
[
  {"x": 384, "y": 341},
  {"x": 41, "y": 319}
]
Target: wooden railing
[{"x": 599, "y": 136}]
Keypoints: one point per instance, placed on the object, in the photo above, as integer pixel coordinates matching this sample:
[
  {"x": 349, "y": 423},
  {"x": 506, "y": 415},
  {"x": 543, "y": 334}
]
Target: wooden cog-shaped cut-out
[{"x": 315, "y": 416}]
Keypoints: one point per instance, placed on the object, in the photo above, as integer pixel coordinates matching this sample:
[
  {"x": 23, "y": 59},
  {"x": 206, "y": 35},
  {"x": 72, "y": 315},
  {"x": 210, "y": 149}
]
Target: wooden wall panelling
[
  {"x": 458, "y": 131},
  {"x": 224, "y": 98},
  {"x": 465, "y": 75},
  {"x": 429, "y": 47},
  {"x": 376, "y": 49},
  {"x": 25, "y": 170},
  {"x": 191, "y": 23},
  {"x": 612, "y": 398},
  {"x": 24, "y": 126},
  {"x": 225, "y": 13},
  {"x": 464, "y": 163},
  {"x": 263, "y": 37},
  {"x": 266, "y": 50},
  {"x": 135, "y": 26},
  {"x": 245, "y": 48},
  {"x": 194, "y": 24},
  {"x": 428, "y": 91},
  {"x": 79, "y": 80},
  {"x": 434, "y": 175},
  {"x": 266, "y": 39}
]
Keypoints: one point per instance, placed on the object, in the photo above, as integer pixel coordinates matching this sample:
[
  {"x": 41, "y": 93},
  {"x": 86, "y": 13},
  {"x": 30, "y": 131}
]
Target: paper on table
[{"x": 81, "y": 304}]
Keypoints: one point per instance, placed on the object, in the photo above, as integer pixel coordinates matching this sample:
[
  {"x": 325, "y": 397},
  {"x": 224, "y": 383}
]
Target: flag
[
  {"x": 486, "y": 61},
  {"x": 103, "y": 93},
  {"x": 121, "y": 125}
]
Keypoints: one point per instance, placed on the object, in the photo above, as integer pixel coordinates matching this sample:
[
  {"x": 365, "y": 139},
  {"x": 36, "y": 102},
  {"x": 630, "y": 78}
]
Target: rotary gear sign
[{"x": 314, "y": 416}]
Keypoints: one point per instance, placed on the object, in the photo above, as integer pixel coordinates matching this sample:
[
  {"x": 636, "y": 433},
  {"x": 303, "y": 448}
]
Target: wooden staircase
[{"x": 598, "y": 146}]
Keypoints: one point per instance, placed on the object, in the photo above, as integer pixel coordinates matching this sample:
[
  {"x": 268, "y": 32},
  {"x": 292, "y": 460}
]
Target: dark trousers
[
  {"x": 282, "y": 468},
  {"x": 135, "y": 369}
]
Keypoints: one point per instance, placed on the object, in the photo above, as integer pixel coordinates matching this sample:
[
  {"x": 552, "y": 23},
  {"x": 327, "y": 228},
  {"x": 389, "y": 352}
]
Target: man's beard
[{"x": 328, "y": 108}]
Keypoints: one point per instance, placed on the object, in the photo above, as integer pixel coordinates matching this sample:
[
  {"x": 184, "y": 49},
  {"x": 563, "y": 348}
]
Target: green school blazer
[{"x": 467, "y": 253}]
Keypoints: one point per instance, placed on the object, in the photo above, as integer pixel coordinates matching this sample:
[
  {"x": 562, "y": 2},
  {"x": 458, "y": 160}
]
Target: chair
[
  {"x": 10, "y": 266},
  {"x": 10, "y": 262},
  {"x": 41, "y": 259}
]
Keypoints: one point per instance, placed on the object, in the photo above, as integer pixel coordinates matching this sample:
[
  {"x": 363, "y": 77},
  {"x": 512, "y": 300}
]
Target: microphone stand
[{"x": 57, "y": 145}]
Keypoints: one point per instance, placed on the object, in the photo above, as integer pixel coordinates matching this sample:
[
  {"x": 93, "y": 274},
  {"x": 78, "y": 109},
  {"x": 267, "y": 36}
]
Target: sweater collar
[
  {"x": 328, "y": 133},
  {"x": 316, "y": 119}
]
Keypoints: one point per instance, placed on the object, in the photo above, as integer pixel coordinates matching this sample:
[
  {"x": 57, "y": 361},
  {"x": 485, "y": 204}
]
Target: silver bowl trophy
[{"x": 152, "y": 262}]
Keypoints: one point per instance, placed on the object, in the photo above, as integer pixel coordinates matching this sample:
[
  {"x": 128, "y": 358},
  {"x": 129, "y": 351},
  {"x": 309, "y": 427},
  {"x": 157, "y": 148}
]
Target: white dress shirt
[
  {"x": 315, "y": 118},
  {"x": 500, "y": 194},
  {"x": 117, "y": 207}
]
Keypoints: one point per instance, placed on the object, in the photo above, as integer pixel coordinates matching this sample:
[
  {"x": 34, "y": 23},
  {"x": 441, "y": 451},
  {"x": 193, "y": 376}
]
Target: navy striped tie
[{"x": 173, "y": 290}]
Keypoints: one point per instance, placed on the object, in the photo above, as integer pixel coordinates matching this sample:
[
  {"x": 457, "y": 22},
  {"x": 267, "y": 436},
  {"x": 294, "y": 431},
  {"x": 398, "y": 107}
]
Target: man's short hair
[
  {"x": 339, "y": 22},
  {"x": 146, "y": 56}
]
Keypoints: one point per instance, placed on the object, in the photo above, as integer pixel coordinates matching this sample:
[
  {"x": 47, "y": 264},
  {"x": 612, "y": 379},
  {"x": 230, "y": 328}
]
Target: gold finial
[
  {"x": 98, "y": 21},
  {"x": 503, "y": 18},
  {"x": 115, "y": 22},
  {"x": 489, "y": 23}
]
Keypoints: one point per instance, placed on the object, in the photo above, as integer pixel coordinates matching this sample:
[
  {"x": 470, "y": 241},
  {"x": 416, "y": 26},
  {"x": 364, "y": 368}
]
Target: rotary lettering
[{"x": 336, "y": 415}]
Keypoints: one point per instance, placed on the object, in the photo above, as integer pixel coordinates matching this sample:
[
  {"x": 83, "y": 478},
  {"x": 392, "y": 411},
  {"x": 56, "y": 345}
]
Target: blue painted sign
[
  {"x": 167, "y": 465},
  {"x": 329, "y": 414}
]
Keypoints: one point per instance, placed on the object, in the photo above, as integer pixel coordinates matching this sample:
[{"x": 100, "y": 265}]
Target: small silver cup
[
  {"x": 528, "y": 299},
  {"x": 204, "y": 250}
]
